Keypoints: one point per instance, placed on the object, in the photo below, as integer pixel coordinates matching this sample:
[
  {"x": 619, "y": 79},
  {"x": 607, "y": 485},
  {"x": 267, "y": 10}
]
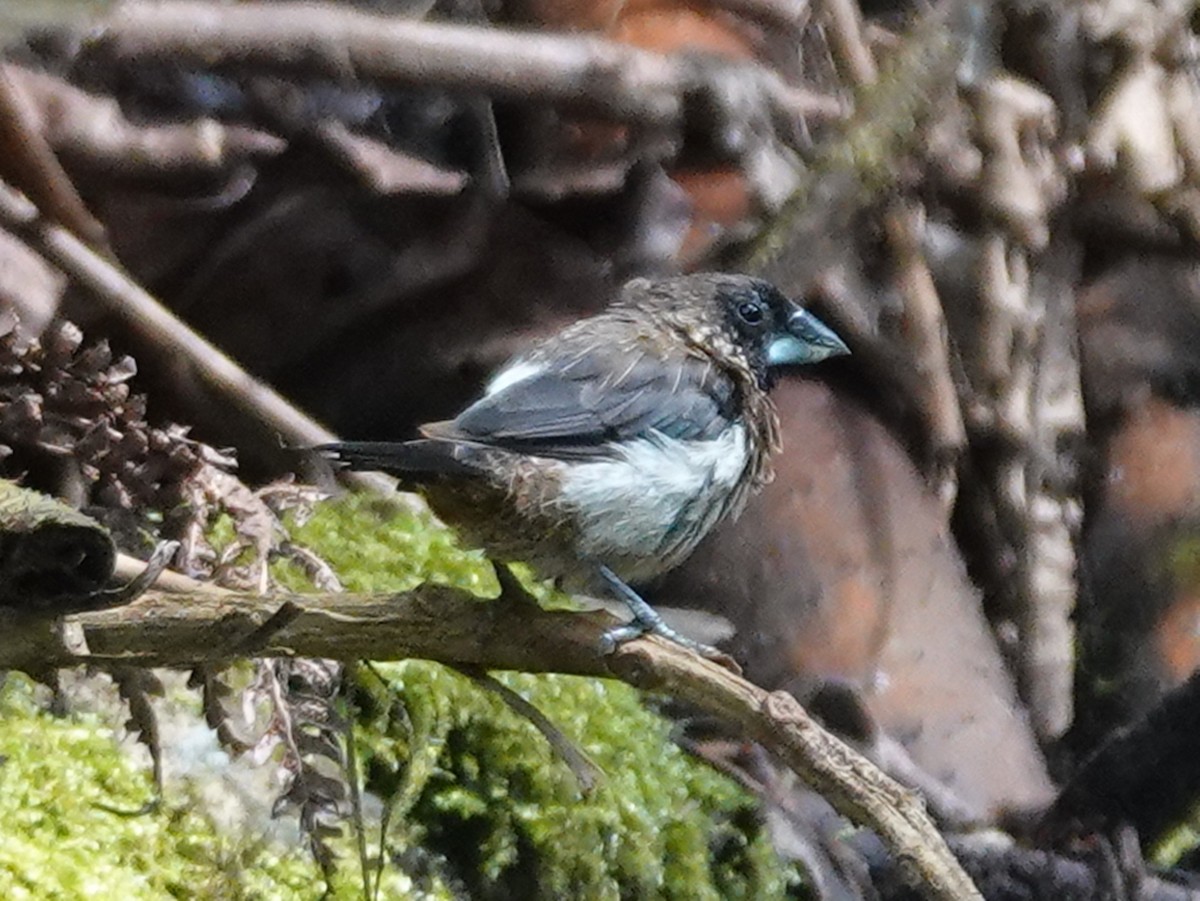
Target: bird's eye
[{"x": 751, "y": 313}]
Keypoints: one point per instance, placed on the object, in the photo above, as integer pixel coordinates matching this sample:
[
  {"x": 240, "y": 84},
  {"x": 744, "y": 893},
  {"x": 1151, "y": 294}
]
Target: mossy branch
[{"x": 450, "y": 626}]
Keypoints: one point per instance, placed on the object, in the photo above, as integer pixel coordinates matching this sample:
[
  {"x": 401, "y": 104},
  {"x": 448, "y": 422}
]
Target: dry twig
[
  {"x": 844, "y": 23},
  {"x": 91, "y": 131},
  {"x": 27, "y": 159},
  {"x": 145, "y": 315}
]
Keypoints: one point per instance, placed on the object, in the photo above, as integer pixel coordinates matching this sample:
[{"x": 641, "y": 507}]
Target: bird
[{"x": 603, "y": 454}]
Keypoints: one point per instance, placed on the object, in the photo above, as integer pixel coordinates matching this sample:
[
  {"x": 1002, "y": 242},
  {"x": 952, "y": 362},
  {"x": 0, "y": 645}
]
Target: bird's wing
[{"x": 578, "y": 408}]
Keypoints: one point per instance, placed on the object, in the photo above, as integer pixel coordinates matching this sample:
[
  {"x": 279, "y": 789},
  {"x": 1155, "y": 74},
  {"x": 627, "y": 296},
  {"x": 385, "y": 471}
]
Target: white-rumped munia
[{"x": 605, "y": 453}]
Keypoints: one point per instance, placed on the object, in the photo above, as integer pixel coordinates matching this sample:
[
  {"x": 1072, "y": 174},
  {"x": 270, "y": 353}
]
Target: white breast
[{"x": 654, "y": 494}]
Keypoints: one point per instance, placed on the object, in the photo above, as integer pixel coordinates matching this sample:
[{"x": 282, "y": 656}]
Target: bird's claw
[
  {"x": 647, "y": 621},
  {"x": 611, "y": 640},
  {"x": 618, "y": 635}
]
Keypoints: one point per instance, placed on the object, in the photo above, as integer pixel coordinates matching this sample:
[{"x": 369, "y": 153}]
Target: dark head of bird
[{"x": 739, "y": 318}]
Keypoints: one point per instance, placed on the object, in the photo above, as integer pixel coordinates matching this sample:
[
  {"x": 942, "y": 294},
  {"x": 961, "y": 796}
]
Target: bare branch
[
  {"x": 603, "y": 76},
  {"x": 144, "y": 314},
  {"x": 450, "y": 626},
  {"x": 27, "y": 158},
  {"x": 844, "y": 22},
  {"x": 92, "y": 131}
]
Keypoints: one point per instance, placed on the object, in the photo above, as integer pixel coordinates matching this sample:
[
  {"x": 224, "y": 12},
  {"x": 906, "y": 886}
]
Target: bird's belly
[{"x": 646, "y": 507}]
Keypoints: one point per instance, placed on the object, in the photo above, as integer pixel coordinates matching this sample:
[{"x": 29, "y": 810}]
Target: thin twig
[
  {"x": 354, "y": 782},
  {"x": 856, "y": 167},
  {"x": 152, "y": 569},
  {"x": 92, "y": 132},
  {"x": 129, "y": 568},
  {"x": 29, "y": 162},
  {"x": 127, "y": 299},
  {"x": 844, "y": 23},
  {"x": 582, "y": 767},
  {"x": 248, "y": 645}
]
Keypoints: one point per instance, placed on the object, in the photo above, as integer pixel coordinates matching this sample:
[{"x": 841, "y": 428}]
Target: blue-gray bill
[{"x": 807, "y": 340}]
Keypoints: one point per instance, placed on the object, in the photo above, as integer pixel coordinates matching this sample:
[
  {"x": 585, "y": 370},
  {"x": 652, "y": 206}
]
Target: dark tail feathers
[{"x": 410, "y": 461}]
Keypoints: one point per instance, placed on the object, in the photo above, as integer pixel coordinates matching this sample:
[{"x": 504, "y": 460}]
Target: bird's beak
[{"x": 807, "y": 340}]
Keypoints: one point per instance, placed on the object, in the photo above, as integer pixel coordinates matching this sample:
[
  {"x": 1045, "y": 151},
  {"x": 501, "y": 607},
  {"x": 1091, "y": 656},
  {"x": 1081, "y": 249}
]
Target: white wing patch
[
  {"x": 510, "y": 375},
  {"x": 647, "y": 498}
]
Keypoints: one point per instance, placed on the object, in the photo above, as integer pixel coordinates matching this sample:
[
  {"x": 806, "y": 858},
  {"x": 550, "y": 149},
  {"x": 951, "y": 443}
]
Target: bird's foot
[
  {"x": 646, "y": 621},
  {"x": 618, "y": 635}
]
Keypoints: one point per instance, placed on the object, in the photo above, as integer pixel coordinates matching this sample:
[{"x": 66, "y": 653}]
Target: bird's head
[{"x": 737, "y": 318}]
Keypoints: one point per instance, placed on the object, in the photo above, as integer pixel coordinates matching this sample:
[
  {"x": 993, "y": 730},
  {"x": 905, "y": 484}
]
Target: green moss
[
  {"x": 480, "y": 789},
  {"x": 62, "y": 785},
  {"x": 1175, "y": 844},
  {"x": 378, "y": 544}
]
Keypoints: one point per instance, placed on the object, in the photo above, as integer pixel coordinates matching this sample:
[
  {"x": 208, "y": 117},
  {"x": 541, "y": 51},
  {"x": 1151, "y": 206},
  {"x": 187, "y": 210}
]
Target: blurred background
[{"x": 977, "y": 560}]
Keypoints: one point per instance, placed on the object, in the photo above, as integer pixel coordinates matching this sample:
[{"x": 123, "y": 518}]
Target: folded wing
[{"x": 578, "y": 408}]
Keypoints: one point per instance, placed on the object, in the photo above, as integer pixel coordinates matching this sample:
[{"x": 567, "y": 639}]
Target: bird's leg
[{"x": 645, "y": 620}]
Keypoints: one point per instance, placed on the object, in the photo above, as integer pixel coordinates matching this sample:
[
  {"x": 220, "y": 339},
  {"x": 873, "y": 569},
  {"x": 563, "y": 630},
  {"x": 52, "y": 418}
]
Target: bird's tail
[{"x": 411, "y": 461}]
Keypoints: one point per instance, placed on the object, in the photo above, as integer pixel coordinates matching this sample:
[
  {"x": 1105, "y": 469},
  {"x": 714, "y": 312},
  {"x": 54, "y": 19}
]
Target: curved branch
[{"x": 450, "y": 626}]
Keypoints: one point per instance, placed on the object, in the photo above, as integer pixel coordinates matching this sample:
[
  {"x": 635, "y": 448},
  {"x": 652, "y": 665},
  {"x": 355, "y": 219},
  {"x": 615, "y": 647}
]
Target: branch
[
  {"x": 863, "y": 162},
  {"x": 453, "y": 627},
  {"x": 156, "y": 324},
  {"x": 844, "y": 21},
  {"x": 91, "y": 131},
  {"x": 604, "y": 76},
  {"x": 1005, "y": 869},
  {"x": 27, "y": 159}
]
